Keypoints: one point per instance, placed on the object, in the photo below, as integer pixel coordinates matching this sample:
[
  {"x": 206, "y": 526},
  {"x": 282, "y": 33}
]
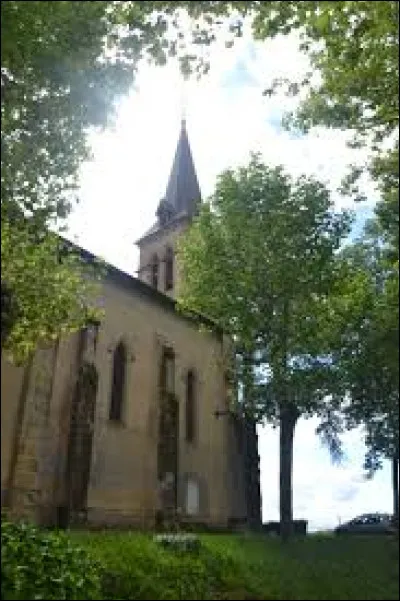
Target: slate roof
[{"x": 183, "y": 190}]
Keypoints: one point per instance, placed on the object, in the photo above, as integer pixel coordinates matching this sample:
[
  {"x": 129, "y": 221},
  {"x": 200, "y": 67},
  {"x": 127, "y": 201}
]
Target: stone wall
[{"x": 123, "y": 485}]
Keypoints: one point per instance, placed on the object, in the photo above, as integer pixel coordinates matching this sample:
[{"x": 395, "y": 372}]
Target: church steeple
[
  {"x": 174, "y": 213},
  {"x": 182, "y": 194},
  {"x": 183, "y": 191}
]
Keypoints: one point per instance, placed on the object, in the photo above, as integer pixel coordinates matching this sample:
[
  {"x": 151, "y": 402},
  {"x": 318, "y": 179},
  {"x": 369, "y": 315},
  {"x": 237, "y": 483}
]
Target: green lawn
[{"x": 245, "y": 567}]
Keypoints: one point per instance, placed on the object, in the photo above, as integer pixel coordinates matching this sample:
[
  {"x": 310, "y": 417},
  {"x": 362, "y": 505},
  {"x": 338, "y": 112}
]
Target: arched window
[
  {"x": 118, "y": 382},
  {"x": 169, "y": 268},
  {"x": 190, "y": 406},
  {"x": 154, "y": 271}
]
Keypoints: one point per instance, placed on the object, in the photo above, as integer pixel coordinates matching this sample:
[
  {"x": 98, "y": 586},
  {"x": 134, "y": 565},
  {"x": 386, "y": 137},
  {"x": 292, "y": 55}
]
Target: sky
[{"x": 227, "y": 118}]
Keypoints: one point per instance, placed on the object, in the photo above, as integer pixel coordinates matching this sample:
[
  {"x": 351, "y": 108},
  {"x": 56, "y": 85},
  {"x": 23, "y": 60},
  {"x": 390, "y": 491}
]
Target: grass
[{"x": 247, "y": 567}]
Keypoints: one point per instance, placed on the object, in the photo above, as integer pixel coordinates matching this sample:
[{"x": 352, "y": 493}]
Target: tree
[
  {"x": 367, "y": 353},
  {"x": 353, "y": 83},
  {"x": 53, "y": 88},
  {"x": 47, "y": 289},
  {"x": 63, "y": 66},
  {"x": 260, "y": 259},
  {"x": 354, "y": 53}
]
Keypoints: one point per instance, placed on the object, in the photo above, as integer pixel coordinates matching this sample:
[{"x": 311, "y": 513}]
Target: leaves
[
  {"x": 41, "y": 565},
  {"x": 63, "y": 67},
  {"x": 354, "y": 52},
  {"x": 53, "y": 287},
  {"x": 260, "y": 259},
  {"x": 366, "y": 312},
  {"x": 353, "y": 49}
]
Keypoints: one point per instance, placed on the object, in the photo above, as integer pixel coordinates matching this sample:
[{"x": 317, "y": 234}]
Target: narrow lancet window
[{"x": 118, "y": 383}]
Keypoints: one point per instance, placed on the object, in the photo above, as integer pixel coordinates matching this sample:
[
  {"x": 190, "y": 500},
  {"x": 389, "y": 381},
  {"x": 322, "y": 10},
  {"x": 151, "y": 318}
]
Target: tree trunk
[
  {"x": 287, "y": 425},
  {"x": 395, "y": 483}
]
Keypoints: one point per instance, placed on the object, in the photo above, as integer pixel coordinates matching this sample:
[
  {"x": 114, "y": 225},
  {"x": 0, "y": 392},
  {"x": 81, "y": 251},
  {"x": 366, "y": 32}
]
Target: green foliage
[
  {"x": 63, "y": 67},
  {"x": 353, "y": 82},
  {"x": 354, "y": 52},
  {"x": 52, "y": 285},
  {"x": 8, "y": 311},
  {"x": 386, "y": 171},
  {"x": 43, "y": 565},
  {"x": 367, "y": 354},
  {"x": 260, "y": 259},
  {"x": 246, "y": 567},
  {"x": 354, "y": 48},
  {"x": 54, "y": 86}
]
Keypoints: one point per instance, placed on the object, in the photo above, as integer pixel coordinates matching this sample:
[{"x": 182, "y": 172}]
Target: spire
[{"x": 183, "y": 191}]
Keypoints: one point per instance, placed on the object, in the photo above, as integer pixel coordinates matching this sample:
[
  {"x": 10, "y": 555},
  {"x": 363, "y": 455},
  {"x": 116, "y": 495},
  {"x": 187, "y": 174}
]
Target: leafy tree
[
  {"x": 53, "y": 87},
  {"x": 63, "y": 66},
  {"x": 47, "y": 289},
  {"x": 260, "y": 259},
  {"x": 354, "y": 53},
  {"x": 367, "y": 353},
  {"x": 357, "y": 60},
  {"x": 386, "y": 171},
  {"x": 353, "y": 47},
  {"x": 353, "y": 83}
]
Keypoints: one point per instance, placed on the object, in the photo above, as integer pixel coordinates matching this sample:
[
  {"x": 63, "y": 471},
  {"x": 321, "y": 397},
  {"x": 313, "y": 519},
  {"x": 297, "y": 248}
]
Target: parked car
[{"x": 369, "y": 523}]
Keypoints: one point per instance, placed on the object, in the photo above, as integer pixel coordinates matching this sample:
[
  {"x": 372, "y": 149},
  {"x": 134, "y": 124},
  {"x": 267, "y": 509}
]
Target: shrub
[{"x": 38, "y": 564}]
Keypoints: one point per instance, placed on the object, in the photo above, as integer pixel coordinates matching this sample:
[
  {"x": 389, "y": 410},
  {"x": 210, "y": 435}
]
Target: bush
[{"x": 37, "y": 564}]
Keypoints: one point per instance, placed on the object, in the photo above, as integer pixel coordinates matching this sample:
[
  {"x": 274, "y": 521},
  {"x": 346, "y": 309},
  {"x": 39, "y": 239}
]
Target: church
[{"x": 127, "y": 423}]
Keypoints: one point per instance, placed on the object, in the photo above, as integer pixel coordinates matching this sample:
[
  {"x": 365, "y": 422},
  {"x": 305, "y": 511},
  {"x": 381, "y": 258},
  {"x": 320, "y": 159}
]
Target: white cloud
[
  {"x": 227, "y": 119},
  {"x": 323, "y": 493},
  {"x": 121, "y": 188}
]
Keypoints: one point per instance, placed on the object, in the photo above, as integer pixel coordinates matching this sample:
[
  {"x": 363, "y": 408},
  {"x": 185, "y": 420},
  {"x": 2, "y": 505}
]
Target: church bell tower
[{"x": 157, "y": 265}]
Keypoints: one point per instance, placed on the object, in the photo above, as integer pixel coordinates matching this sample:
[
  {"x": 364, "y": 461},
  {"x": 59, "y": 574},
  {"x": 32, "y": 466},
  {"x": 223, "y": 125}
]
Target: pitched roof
[
  {"x": 183, "y": 191},
  {"x": 137, "y": 286}
]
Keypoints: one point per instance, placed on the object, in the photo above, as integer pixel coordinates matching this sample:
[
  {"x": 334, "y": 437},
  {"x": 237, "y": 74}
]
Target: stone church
[{"x": 127, "y": 422}]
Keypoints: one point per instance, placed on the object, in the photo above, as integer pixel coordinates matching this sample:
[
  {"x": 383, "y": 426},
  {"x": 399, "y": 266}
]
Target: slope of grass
[
  {"x": 133, "y": 566},
  {"x": 245, "y": 567}
]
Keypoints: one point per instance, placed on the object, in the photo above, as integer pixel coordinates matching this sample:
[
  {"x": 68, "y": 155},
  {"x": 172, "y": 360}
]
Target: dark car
[{"x": 369, "y": 523}]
